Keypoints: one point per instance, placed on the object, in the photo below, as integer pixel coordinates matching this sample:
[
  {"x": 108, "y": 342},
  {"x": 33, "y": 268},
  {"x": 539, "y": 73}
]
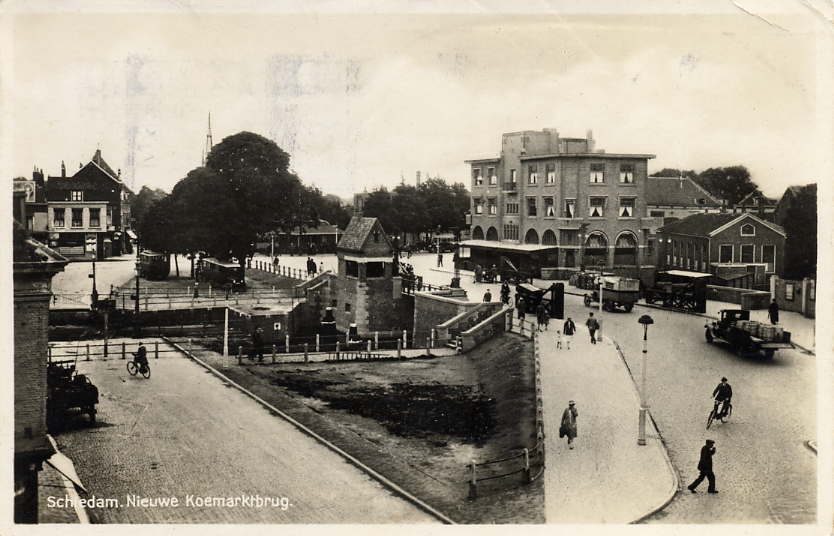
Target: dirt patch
[{"x": 420, "y": 422}]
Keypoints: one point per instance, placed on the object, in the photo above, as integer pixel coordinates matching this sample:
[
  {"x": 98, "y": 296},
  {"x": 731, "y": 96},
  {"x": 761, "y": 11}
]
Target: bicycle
[
  {"x": 144, "y": 369},
  {"x": 714, "y": 413}
]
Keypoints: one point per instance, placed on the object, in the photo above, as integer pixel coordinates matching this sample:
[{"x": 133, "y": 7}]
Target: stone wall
[
  {"x": 431, "y": 310},
  {"x": 747, "y": 299},
  {"x": 794, "y": 295}
]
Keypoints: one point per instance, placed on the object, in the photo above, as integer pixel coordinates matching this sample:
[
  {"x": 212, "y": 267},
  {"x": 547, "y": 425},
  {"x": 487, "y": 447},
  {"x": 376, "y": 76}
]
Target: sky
[{"x": 361, "y": 99}]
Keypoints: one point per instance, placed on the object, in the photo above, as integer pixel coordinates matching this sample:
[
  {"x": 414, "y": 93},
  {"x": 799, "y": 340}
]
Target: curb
[
  {"x": 391, "y": 486},
  {"x": 676, "y": 484},
  {"x": 812, "y": 445}
]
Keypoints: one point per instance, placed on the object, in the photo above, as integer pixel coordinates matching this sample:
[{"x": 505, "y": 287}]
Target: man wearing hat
[
  {"x": 568, "y": 426},
  {"x": 705, "y": 468}
]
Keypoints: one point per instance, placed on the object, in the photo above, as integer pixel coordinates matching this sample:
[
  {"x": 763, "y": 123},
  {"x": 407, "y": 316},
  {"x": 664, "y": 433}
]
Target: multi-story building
[
  {"x": 86, "y": 213},
  {"x": 553, "y": 205},
  {"x": 34, "y": 192}
]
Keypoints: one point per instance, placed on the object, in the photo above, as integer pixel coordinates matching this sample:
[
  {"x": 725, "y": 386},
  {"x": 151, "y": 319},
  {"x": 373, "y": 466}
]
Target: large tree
[
  {"x": 731, "y": 183},
  {"x": 379, "y": 204},
  {"x": 801, "y": 229},
  {"x": 142, "y": 202}
]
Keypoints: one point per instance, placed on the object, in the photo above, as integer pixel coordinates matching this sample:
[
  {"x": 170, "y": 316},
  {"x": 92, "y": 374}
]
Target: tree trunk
[
  {"x": 177, "y": 264},
  {"x": 242, "y": 261},
  {"x": 192, "y": 266}
]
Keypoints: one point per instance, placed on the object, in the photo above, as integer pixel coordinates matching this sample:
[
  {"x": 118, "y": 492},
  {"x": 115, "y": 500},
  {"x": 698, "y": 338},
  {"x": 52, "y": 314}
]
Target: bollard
[
  {"x": 306, "y": 357},
  {"x": 337, "y": 349},
  {"x": 527, "y": 474},
  {"x": 105, "y": 349},
  {"x": 188, "y": 348},
  {"x": 432, "y": 337},
  {"x": 156, "y": 350},
  {"x": 209, "y": 290},
  {"x": 405, "y": 338},
  {"x": 399, "y": 349},
  {"x": 146, "y": 302},
  {"x": 88, "y": 352},
  {"x": 369, "y": 348},
  {"x": 376, "y": 340},
  {"x": 287, "y": 342},
  {"x": 273, "y": 354},
  {"x": 123, "y": 350},
  {"x": 239, "y": 355},
  {"x": 318, "y": 346},
  {"x": 473, "y": 482},
  {"x": 428, "y": 348}
]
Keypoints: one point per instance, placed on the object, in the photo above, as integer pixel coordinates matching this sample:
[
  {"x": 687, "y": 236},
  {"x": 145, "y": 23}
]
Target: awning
[
  {"x": 491, "y": 244},
  {"x": 131, "y": 234},
  {"x": 64, "y": 465}
]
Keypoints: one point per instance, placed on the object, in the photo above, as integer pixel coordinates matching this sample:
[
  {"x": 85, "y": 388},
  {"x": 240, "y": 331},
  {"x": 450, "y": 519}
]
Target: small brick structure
[{"x": 794, "y": 295}]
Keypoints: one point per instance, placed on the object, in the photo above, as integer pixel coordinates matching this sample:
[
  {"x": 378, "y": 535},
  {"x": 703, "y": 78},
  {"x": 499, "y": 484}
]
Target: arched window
[
  {"x": 626, "y": 240},
  {"x": 532, "y": 237},
  {"x": 492, "y": 234},
  {"x": 596, "y": 240},
  {"x": 549, "y": 238},
  {"x": 477, "y": 233}
]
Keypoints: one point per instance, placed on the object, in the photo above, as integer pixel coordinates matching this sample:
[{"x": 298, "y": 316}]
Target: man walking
[
  {"x": 568, "y": 329},
  {"x": 773, "y": 312},
  {"x": 487, "y": 296},
  {"x": 705, "y": 468},
  {"x": 439, "y": 259},
  {"x": 568, "y": 427},
  {"x": 593, "y": 326}
]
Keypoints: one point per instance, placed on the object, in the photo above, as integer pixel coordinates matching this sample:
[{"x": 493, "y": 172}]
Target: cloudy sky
[{"x": 360, "y": 99}]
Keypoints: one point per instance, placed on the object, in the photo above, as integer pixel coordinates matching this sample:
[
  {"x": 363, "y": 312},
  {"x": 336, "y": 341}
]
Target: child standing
[{"x": 558, "y": 339}]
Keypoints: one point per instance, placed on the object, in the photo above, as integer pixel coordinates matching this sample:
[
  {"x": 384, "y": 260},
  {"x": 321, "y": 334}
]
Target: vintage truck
[
  {"x": 67, "y": 390},
  {"x": 616, "y": 292},
  {"x": 745, "y": 336}
]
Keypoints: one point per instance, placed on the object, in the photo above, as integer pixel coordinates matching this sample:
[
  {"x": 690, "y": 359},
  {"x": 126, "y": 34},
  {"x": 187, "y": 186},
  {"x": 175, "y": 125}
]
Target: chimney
[
  {"x": 63, "y": 169},
  {"x": 97, "y": 156},
  {"x": 589, "y": 137}
]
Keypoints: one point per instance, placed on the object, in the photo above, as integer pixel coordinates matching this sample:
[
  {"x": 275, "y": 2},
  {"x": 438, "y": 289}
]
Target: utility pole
[
  {"x": 136, "y": 331},
  {"x": 95, "y": 292}
]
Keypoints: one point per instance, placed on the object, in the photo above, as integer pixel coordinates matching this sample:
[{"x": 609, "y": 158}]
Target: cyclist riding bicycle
[
  {"x": 141, "y": 356},
  {"x": 723, "y": 394}
]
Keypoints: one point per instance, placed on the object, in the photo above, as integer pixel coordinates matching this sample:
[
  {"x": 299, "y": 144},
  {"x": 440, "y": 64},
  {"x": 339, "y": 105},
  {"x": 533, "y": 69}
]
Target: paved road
[
  {"x": 74, "y": 279},
  {"x": 183, "y": 432}
]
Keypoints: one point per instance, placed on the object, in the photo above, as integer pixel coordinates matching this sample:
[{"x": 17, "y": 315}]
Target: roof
[
  {"x": 675, "y": 191},
  {"x": 685, "y": 273},
  {"x": 707, "y": 225},
  {"x": 357, "y": 233},
  {"x": 482, "y": 161},
  {"x": 505, "y": 245},
  {"x": 99, "y": 161},
  {"x": 585, "y": 155},
  {"x": 756, "y": 194}
]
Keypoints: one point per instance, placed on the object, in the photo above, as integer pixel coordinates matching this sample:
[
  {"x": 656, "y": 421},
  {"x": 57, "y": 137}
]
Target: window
[
  {"x": 512, "y": 208},
  {"x": 109, "y": 216},
  {"x": 95, "y": 217},
  {"x": 76, "y": 195},
  {"x": 657, "y": 213},
  {"x": 549, "y": 207},
  {"x": 812, "y": 290},
  {"x": 351, "y": 269},
  {"x": 532, "y": 174},
  {"x": 550, "y": 172},
  {"x": 597, "y": 173},
  {"x": 789, "y": 291},
  {"x": 479, "y": 206},
  {"x": 570, "y": 208},
  {"x": 511, "y": 231},
  {"x": 627, "y": 207},
  {"x": 375, "y": 269},
  {"x": 596, "y": 207},
  {"x": 748, "y": 230},
  {"x": 747, "y": 252},
  {"x": 376, "y": 236},
  {"x": 347, "y": 307},
  {"x": 477, "y": 179},
  {"x": 58, "y": 217},
  {"x": 78, "y": 217},
  {"x": 513, "y": 177},
  {"x": 725, "y": 253},
  {"x": 531, "y": 207},
  {"x": 651, "y": 248},
  {"x": 627, "y": 173},
  {"x": 493, "y": 178},
  {"x": 493, "y": 208},
  {"x": 769, "y": 257}
]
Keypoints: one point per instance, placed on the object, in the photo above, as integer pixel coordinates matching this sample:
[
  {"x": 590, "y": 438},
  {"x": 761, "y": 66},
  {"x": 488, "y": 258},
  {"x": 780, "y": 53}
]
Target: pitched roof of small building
[
  {"x": 753, "y": 197},
  {"x": 707, "y": 224},
  {"x": 679, "y": 192},
  {"x": 357, "y": 233}
]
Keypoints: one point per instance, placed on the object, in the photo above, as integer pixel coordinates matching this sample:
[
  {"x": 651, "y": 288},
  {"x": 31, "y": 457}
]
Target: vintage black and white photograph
[{"x": 418, "y": 263}]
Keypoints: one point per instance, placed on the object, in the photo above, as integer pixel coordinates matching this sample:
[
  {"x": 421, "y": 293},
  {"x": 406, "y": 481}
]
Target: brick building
[
  {"x": 552, "y": 202},
  {"x": 88, "y": 213},
  {"x": 367, "y": 291},
  {"x": 738, "y": 249},
  {"x": 757, "y": 203},
  {"x": 678, "y": 197},
  {"x": 33, "y": 268},
  {"x": 34, "y": 192}
]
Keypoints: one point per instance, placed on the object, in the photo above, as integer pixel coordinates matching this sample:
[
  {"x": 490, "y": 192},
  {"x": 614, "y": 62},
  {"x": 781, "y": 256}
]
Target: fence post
[
  {"x": 337, "y": 349},
  {"x": 473, "y": 482},
  {"x": 123, "y": 350},
  {"x": 432, "y": 337},
  {"x": 376, "y": 340},
  {"x": 156, "y": 350},
  {"x": 274, "y": 349},
  {"x": 287, "y": 343},
  {"x": 306, "y": 357},
  {"x": 527, "y": 474},
  {"x": 105, "y": 350},
  {"x": 399, "y": 349},
  {"x": 210, "y": 290},
  {"x": 428, "y": 348},
  {"x": 273, "y": 291},
  {"x": 239, "y": 354},
  {"x": 318, "y": 345},
  {"x": 88, "y": 351},
  {"x": 146, "y": 302},
  {"x": 369, "y": 348},
  {"x": 405, "y": 338}
]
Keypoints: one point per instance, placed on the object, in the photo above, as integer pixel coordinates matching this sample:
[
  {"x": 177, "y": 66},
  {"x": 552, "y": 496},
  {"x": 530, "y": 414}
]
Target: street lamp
[{"x": 646, "y": 321}]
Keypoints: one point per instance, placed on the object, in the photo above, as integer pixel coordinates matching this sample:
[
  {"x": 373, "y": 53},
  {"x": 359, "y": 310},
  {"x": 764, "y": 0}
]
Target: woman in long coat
[{"x": 569, "y": 426}]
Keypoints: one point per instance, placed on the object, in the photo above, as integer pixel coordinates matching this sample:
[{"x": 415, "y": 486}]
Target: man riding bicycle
[
  {"x": 723, "y": 394},
  {"x": 141, "y": 356}
]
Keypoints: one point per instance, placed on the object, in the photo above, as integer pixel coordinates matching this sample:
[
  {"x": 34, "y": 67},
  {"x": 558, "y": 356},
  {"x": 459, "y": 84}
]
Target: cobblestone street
[{"x": 183, "y": 432}]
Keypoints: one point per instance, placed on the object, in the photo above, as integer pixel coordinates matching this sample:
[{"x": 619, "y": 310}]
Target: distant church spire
[{"x": 209, "y": 141}]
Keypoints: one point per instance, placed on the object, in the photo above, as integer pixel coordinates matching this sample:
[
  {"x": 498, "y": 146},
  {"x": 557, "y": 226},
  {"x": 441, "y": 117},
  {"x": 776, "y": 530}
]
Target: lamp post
[
  {"x": 646, "y": 321},
  {"x": 95, "y": 292}
]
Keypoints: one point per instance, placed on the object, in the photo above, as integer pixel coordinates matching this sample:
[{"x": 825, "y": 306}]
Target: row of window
[
  {"x": 596, "y": 207},
  {"x": 595, "y": 176},
  {"x": 683, "y": 254},
  {"x": 77, "y": 217}
]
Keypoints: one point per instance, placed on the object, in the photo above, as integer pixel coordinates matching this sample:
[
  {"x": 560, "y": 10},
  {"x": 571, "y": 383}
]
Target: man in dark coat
[
  {"x": 705, "y": 468},
  {"x": 773, "y": 311}
]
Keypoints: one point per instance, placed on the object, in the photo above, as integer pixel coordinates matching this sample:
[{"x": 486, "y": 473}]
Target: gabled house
[
  {"x": 738, "y": 249},
  {"x": 86, "y": 213},
  {"x": 678, "y": 197},
  {"x": 757, "y": 203}
]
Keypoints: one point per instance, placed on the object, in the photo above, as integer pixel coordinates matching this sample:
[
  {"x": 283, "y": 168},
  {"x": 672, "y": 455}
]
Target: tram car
[
  {"x": 153, "y": 265},
  {"x": 221, "y": 274},
  {"x": 616, "y": 292},
  {"x": 679, "y": 289}
]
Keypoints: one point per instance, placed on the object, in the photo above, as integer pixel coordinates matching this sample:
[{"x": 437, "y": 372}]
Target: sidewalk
[{"x": 607, "y": 478}]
